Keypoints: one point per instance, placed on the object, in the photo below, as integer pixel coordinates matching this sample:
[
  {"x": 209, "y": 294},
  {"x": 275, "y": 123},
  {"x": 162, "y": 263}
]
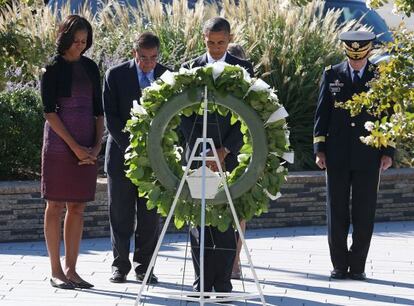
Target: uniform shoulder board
[{"x": 327, "y": 68}]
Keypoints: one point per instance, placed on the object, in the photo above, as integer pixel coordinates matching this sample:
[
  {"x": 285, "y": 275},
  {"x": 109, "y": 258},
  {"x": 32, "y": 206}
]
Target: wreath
[{"x": 154, "y": 155}]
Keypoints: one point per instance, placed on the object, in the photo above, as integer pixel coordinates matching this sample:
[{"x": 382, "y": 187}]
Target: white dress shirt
[
  {"x": 211, "y": 60},
  {"x": 360, "y": 73}
]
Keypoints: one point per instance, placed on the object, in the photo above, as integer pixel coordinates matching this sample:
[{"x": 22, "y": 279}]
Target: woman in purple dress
[{"x": 72, "y": 103}]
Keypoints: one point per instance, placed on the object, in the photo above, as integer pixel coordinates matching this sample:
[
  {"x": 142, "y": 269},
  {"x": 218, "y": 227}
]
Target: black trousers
[
  {"x": 128, "y": 216},
  {"x": 219, "y": 254},
  {"x": 362, "y": 186}
]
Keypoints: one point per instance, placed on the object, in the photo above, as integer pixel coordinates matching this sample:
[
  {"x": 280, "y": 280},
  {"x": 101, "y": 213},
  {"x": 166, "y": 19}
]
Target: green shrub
[{"x": 21, "y": 128}]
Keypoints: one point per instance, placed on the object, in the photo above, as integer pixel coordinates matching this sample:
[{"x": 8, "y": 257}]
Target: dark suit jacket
[
  {"x": 219, "y": 127},
  {"x": 121, "y": 87},
  {"x": 336, "y": 132}
]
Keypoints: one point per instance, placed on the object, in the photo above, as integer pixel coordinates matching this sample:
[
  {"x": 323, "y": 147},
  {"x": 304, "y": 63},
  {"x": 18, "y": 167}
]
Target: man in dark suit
[
  {"x": 228, "y": 139},
  {"x": 122, "y": 85},
  {"x": 350, "y": 164}
]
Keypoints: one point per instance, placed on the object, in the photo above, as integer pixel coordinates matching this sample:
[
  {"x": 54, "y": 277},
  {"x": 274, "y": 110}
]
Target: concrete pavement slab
[{"x": 292, "y": 265}]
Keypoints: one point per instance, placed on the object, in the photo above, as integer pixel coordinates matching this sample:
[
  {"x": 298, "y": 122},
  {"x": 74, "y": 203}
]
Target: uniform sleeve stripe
[{"x": 319, "y": 139}]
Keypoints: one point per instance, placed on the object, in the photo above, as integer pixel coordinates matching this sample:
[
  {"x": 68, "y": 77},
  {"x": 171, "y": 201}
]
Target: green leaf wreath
[{"x": 220, "y": 82}]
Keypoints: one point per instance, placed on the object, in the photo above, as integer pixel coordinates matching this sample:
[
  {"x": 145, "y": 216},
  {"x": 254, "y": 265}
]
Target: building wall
[{"x": 302, "y": 204}]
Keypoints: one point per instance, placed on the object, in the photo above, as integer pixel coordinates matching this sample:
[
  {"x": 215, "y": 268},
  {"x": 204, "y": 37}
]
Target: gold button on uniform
[{"x": 352, "y": 124}]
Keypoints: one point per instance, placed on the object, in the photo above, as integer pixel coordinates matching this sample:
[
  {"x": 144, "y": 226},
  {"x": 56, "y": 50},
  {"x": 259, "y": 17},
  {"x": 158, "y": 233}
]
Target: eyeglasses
[{"x": 148, "y": 59}]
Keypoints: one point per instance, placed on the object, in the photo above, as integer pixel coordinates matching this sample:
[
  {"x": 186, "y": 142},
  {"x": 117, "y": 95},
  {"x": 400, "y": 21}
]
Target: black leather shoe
[
  {"x": 57, "y": 283},
  {"x": 198, "y": 295},
  {"x": 339, "y": 274},
  {"x": 82, "y": 284},
  {"x": 118, "y": 277},
  {"x": 224, "y": 302},
  {"x": 152, "y": 279},
  {"x": 358, "y": 276}
]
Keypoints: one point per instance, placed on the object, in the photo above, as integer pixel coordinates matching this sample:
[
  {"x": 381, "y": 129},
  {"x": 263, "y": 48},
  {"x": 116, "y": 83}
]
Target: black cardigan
[{"x": 57, "y": 82}]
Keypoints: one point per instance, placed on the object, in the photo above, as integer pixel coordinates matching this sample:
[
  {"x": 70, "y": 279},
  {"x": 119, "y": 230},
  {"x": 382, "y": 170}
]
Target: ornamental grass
[{"x": 288, "y": 45}]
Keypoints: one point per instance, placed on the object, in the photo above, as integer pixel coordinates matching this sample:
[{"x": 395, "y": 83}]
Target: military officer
[{"x": 352, "y": 168}]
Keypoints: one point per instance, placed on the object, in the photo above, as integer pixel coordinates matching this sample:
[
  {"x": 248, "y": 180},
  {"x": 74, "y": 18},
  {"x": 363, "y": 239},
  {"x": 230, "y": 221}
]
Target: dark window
[{"x": 359, "y": 11}]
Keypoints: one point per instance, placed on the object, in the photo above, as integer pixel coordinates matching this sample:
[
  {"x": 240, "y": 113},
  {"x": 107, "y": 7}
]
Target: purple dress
[{"x": 62, "y": 178}]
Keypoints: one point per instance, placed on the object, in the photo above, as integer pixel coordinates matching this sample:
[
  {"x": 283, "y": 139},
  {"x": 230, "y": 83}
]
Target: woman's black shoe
[
  {"x": 57, "y": 283},
  {"x": 82, "y": 284}
]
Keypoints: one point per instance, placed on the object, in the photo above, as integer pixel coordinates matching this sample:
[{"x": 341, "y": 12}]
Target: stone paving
[{"x": 292, "y": 264}]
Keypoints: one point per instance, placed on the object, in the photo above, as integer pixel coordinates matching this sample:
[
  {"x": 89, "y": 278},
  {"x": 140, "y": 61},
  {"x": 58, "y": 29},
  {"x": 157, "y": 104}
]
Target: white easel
[{"x": 201, "y": 296}]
